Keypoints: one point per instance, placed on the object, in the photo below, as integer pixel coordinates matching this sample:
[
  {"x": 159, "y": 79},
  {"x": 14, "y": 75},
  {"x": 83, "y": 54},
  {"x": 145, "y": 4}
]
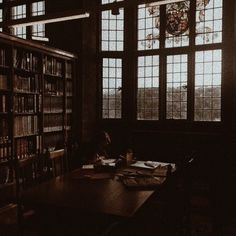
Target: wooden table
[{"x": 105, "y": 196}]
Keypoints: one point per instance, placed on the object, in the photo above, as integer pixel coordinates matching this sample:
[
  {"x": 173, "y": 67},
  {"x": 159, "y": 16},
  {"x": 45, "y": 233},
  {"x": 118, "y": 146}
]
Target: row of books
[
  {"x": 2, "y": 57},
  {"x": 52, "y": 66},
  {"x": 68, "y": 70},
  {"x": 26, "y": 84},
  {"x": 68, "y": 121},
  {"x": 53, "y": 87},
  {"x": 27, "y": 147},
  {"x": 53, "y": 123},
  {"x": 69, "y": 89},
  {"x": 5, "y": 148},
  {"x": 3, "y": 127},
  {"x": 25, "y": 125},
  {"x": 53, "y": 104},
  {"x": 3, "y": 103},
  {"x": 3, "y": 82},
  {"x": 69, "y": 105},
  {"x": 25, "y": 60},
  {"x": 25, "y": 103}
]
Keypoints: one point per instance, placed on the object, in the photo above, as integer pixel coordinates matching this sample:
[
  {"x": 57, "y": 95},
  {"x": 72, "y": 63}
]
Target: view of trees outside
[
  {"x": 176, "y": 87},
  {"x": 148, "y": 88}
]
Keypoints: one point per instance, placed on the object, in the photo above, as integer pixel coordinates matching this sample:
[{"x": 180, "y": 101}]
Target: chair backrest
[
  {"x": 7, "y": 183},
  {"x": 57, "y": 162}
]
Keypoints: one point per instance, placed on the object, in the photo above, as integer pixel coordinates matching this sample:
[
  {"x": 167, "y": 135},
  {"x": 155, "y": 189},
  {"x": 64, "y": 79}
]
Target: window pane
[
  {"x": 148, "y": 26},
  {"x": 209, "y": 21},
  {"x": 177, "y": 24},
  {"x": 38, "y": 8},
  {"x": 18, "y": 12},
  {"x": 148, "y": 88},
  {"x": 0, "y": 15},
  {"x": 19, "y": 32},
  {"x": 110, "y": 1},
  {"x": 176, "y": 87},
  {"x": 112, "y": 88},
  {"x": 112, "y": 31},
  {"x": 208, "y": 85}
]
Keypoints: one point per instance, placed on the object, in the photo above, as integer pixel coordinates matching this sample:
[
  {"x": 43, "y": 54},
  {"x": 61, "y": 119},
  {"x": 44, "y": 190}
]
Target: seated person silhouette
[{"x": 99, "y": 147}]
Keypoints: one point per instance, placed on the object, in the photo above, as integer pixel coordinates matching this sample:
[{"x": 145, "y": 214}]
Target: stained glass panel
[
  {"x": 176, "y": 89},
  {"x": 112, "y": 88},
  {"x": 148, "y": 88},
  {"x": 148, "y": 26},
  {"x": 209, "y": 15},
  {"x": 177, "y": 24},
  {"x": 208, "y": 85}
]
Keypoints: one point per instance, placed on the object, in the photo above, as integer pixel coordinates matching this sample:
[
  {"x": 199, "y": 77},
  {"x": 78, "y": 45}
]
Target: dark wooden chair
[
  {"x": 8, "y": 206},
  {"x": 57, "y": 162}
]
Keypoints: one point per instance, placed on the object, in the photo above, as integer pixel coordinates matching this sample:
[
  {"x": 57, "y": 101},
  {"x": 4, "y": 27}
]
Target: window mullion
[
  {"x": 162, "y": 93},
  {"x": 191, "y": 62},
  {"x": 130, "y": 62}
]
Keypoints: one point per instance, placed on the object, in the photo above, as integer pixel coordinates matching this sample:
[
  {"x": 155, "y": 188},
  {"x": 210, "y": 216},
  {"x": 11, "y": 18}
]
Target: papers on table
[
  {"x": 108, "y": 161},
  {"x": 152, "y": 165},
  {"x": 88, "y": 167},
  {"x": 105, "y": 162}
]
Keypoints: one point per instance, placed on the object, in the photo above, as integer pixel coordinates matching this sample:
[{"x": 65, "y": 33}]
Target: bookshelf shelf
[
  {"x": 26, "y": 114},
  {"x": 53, "y": 95},
  {"x": 25, "y": 135},
  {"x": 4, "y": 67},
  {"x": 35, "y": 96},
  {"x": 24, "y": 71},
  {"x": 53, "y": 112},
  {"x": 27, "y": 93},
  {"x": 53, "y": 76},
  {"x": 53, "y": 130}
]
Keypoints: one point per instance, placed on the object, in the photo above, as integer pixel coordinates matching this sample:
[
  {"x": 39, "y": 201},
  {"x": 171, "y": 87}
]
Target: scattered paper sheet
[{"x": 88, "y": 167}]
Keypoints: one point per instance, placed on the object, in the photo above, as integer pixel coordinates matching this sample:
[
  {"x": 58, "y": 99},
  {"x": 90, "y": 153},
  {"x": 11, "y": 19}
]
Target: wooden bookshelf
[{"x": 35, "y": 99}]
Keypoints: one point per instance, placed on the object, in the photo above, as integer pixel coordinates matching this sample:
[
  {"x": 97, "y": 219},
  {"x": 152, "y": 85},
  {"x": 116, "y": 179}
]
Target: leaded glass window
[
  {"x": 112, "y": 88},
  {"x": 112, "y": 31},
  {"x": 19, "y": 32},
  {"x": 209, "y": 16},
  {"x": 110, "y": 1},
  {"x": 148, "y": 26},
  {"x": 177, "y": 24},
  {"x": 208, "y": 85},
  {"x": 148, "y": 88},
  {"x": 0, "y": 15},
  {"x": 18, "y": 12},
  {"x": 177, "y": 73},
  {"x": 38, "y": 8},
  {"x": 176, "y": 88}
]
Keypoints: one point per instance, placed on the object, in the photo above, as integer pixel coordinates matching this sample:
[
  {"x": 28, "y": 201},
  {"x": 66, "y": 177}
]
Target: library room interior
[{"x": 118, "y": 117}]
